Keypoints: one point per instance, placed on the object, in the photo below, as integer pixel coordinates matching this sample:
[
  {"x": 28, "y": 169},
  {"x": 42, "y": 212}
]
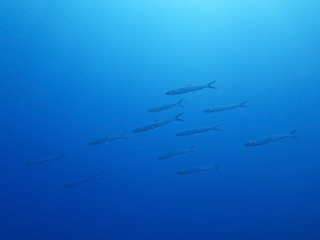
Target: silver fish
[
  {"x": 196, "y": 131},
  {"x": 166, "y": 107},
  {"x": 176, "y": 153},
  {"x": 224, "y": 107},
  {"x": 107, "y": 139},
  {"x": 188, "y": 89},
  {"x": 157, "y": 124},
  {"x": 84, "y": 181},
  {"x": 271, "y": 139},
  {"x": 199, "y": 169},
  {"x": 46, "y": 160}
]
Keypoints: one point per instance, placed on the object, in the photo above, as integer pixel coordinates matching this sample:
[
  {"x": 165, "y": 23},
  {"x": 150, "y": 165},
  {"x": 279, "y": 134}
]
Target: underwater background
[{"x": 75, "y": 71}]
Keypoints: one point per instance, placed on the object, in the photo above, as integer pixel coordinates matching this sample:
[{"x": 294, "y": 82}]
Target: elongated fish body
[
  {"x": 196, "y": 131},
  {"x": 157, "y": 124},
  {"x": 176, "y": 153},
  {"x": 188, "y": 89},
  {"x": 46, "y": 160},
  {"x": 107, "y": 139},
  {"x": 84, "y": 181},
  {"x": 198, "y": 170},
  {"x": 271, "y": 139},
  {"x": 165, "y": 107},
  {"x": 224, "y": 107}
]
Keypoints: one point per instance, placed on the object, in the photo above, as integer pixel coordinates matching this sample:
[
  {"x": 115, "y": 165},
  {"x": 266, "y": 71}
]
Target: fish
[
  {"x": 46, "y": 160},
  {"x": 271, "y": 139},
  {"x": 224, "y": 107},
  {"x": 190, "y": 88},
  {"x": 157, "y": 124},
  {"x": 196, "y": 131},
  {"x": 176, "y": 153},
  {"x": 107, "y": 139},
  {"x": 199, "y": 169},
  {"x": 165, "y": 107},
  {"x": 84, "y": 181}
]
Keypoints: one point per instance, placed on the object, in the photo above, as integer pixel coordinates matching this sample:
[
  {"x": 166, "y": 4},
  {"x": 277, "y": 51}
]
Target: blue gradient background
[{"x": 73, "y": 71}]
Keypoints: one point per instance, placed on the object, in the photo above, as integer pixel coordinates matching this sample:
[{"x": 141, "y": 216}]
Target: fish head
[
  {"x": 93, "y": 143},
  {"x": 183, "y": 172},
  {"x": 69, "y": 185},
  {"x": 251, "y": 143},
  {"x": 172, "y": 92},
  {"x": 179, "y": 134},
  {"x": 31, "y": 163},
  {"x": 208, "y": 110},
  {"x": 139, "y": 129}
]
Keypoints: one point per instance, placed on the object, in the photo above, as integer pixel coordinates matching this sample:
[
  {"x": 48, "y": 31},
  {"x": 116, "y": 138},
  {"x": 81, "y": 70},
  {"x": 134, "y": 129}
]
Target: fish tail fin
[
  {"x": 216, "y": 167},
  {"x": 179, "y": 103},
  {"x": 209, "y": 85},
  {"x": 31, "y": 163},
  {"x": 62, "y": 155},
  {"x": 217, "y": 127},
  {"x": 293, "y": 135},
  {"x": 192, "y": 148},
  {"x": 123, "y": 135},
  {"x": 177, "y": 117},
  {"x": 243, "y": 104},
  {"x": 99, "y": 175}
]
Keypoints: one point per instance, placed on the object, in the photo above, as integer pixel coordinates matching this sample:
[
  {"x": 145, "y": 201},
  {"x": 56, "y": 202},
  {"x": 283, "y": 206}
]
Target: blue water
[{"x": 74, "y": 71}]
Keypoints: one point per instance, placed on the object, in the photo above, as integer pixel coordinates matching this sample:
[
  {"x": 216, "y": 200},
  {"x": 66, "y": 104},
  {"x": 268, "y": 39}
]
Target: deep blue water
[{"x": 74, "y": 71}]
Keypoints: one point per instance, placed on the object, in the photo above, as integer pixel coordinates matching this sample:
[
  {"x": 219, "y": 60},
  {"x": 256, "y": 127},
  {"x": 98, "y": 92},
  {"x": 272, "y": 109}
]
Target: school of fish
[{"x": 159, "y": 123}]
